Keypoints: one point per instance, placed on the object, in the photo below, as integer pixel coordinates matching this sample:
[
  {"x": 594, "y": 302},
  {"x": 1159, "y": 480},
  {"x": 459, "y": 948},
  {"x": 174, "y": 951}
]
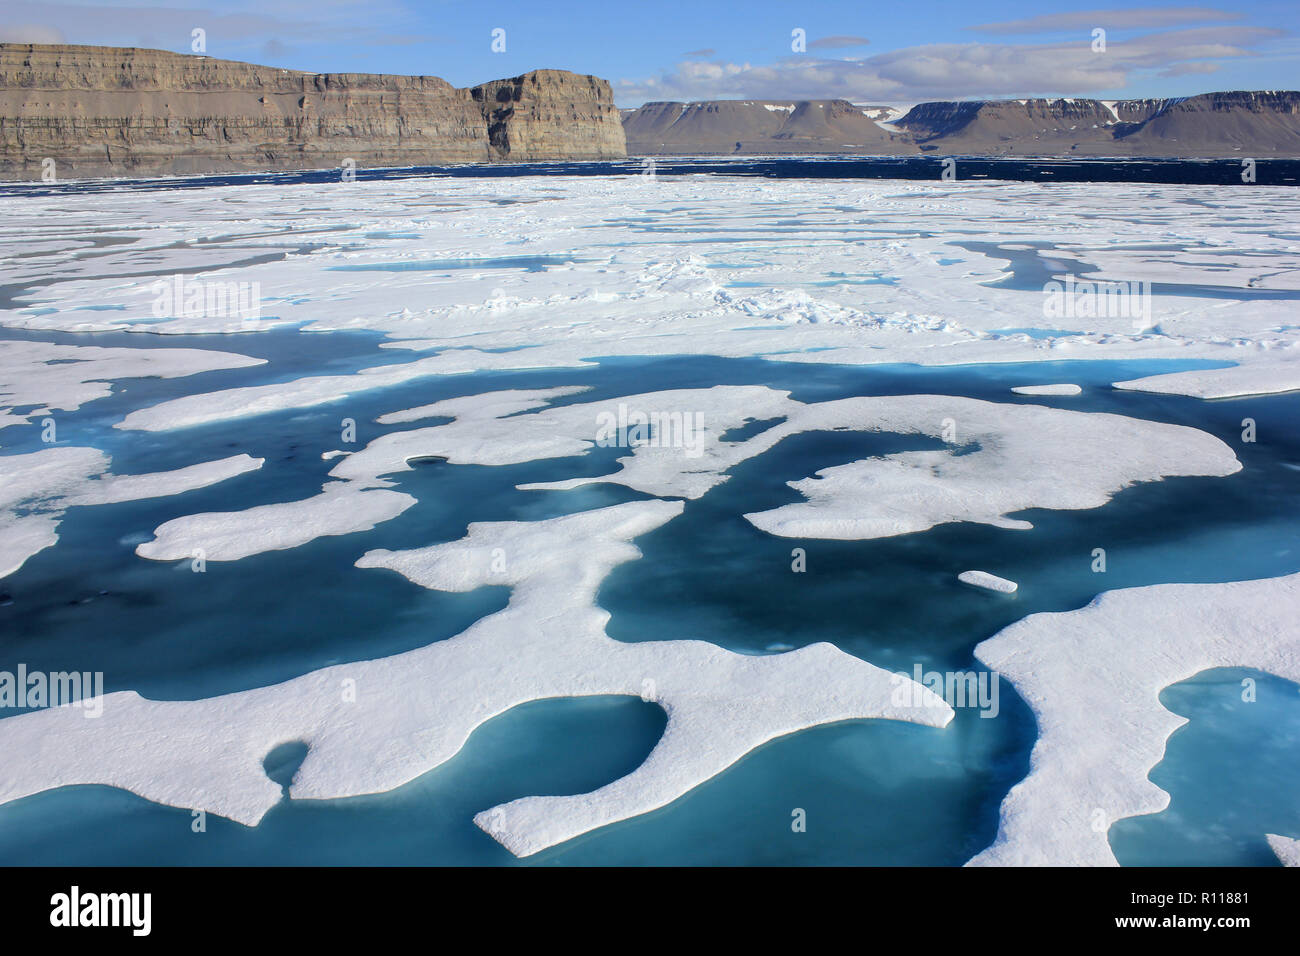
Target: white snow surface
[
  {"x": 1012, "y": 457},
  {"x": 340, "y": 508},
  {"x": 1062, "y": 389},
  {"x": 615, "y": 288},
  {"x": 65, "y": 377},
  {"x": 36, "y": 488},
  {"x": 1257, "y": 378},
  {"x": 1286, "y": 848},
  {"x": 990, "y": 582}
]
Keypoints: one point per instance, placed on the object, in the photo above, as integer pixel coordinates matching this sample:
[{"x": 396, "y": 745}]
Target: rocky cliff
[
  {"x": 1209, "y": 125},
  {"x": 105, "y": 111},
  {"x": 550, "y": 114}
]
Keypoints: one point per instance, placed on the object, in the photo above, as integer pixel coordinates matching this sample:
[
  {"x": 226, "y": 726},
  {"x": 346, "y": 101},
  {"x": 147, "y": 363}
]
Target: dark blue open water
[{"x": 1217, "y": 172}]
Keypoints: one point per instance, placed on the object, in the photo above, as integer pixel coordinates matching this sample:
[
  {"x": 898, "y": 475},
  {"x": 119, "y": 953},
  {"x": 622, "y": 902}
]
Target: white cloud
[
  {"x": 1183, "y": 69},
  {"x": 954, "y": 70},
  {"x": 1109, "y": 19}
]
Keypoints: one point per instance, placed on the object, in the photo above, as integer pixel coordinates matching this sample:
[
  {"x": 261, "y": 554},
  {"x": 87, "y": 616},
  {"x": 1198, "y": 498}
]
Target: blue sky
[{"x": 698, "y": 49}]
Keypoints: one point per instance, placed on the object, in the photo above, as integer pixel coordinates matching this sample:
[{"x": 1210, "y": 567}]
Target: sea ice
[
  {"x": 679, "y": 454},
  {"x": 1003, "y": 458},
  {"x": 1287, "y": 849},
  {"x": 1256, "y": 378},
  {"x": 340, "y": 508},
  {"x": 36, "y": 488},
  {"x": 990, "y": 582},
  {"x": 621, "y": 279},
  {"x": 374, "y": 725},
  {"x": 691, "y": 265},
  {"x": 1093, "y": 679},
  {"x": 65, "y": 377},
  {"x": 1062, "y": 389}
]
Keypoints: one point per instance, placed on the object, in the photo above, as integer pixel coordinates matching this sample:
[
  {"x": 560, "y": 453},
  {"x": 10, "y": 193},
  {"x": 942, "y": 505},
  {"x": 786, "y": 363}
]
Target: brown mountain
[
  {"x": 106, "y": 111},
  {"x": 1026, "y": 127},
  {"x": 1238, "y": 123},
  {"x": 760, "y": 126},
  {"x": 1209, "y": 125}
]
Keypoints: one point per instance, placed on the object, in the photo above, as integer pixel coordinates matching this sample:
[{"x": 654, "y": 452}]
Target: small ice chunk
[
  {"x": 990, "y": 582},
  {"x": 1062, "y": 389}
]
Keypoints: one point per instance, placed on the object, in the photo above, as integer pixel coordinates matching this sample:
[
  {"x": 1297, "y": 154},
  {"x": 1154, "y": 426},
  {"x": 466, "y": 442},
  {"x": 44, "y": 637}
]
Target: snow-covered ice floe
[
  {"x": 1287, "y": 849},
  {"x": 36, "y": 488},
  {"x": 65, "y": 377},
  {"x": 1062, "y": 389},
  {"x": 987, "y": 581},
  {"x": 1001, "y": 458},
  {"x": 251, "y": 400},
  {"x": 1093, "y": 679},
  {"x": 340, "y": 508},
  {"x": 1257, "y": 378},
  {"x": 413, "y": 711},
  {"x": 1012, "y": 457},
  {"x": 683, "y": 457}
]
